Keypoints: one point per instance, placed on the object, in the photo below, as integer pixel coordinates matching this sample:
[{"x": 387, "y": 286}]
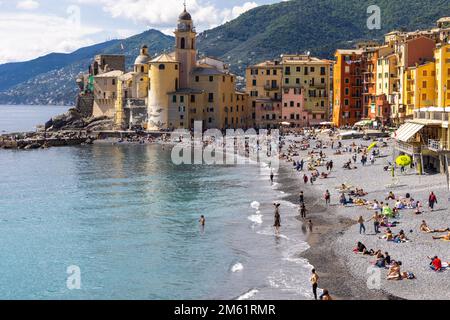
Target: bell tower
[{"x": 185, "y": 47}]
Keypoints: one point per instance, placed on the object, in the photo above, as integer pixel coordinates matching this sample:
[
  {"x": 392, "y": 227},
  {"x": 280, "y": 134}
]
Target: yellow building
[
  {"x": 419, "y": 87},
  {"x": 442, "y": 58},
  {"x": 105, "y": 93},
  {"x": 263, "y": 86},
  {"x": 312, "y": 76}
]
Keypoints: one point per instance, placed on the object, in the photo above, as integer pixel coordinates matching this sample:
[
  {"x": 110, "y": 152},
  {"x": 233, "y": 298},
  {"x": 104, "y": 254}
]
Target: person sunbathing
[
  {"x": 446, "y": 237},
  {"x": 391, "y": 196},
  {"x": 426, "y": 229},
  {"x": 401, "y": 237},
  {"x": 395, "y": 272},
  {"x": 361, "y": 248},
  {"x": 388, "y": 235},
  {"x": 435, "y": 264}
]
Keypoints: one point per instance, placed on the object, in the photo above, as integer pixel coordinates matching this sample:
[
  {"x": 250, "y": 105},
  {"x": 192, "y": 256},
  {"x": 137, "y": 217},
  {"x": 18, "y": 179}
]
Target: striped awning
[{"x": 407, "y": 131}]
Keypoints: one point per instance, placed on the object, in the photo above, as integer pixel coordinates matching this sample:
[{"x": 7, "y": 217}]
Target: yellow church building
[{"x": 177, "y": 89}]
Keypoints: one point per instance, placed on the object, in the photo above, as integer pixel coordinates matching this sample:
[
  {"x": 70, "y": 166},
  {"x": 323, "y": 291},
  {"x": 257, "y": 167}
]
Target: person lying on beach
[
  {"x": 445, "y": 238},
  {"x": 426, "y": 229},
  {"x": 361, "y": 248}
]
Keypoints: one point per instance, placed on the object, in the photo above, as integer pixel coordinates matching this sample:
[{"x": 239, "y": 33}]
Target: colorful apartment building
[
  {"x": 263, "y": 86},
  {"x": 310, "y": 77},
  {"x": 348, "y": 87},
  {"x": 370, "y": 61},
  {"x": 386, "y": 84},
  {"x": 419, "y": 87},
  {"x": 442, "y": 61}
]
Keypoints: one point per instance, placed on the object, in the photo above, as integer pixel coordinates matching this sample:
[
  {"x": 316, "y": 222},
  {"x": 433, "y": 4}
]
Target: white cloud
[
  {"x": 28, "y": 5},
  {"x": 26, "y": 36},
  {"x": 163, "y": 14}
]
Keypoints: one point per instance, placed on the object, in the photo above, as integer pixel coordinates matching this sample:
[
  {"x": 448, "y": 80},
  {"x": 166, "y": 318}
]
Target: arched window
[
  {"x": 161, "y": 67},
  {"x": 183, "y": 43}
]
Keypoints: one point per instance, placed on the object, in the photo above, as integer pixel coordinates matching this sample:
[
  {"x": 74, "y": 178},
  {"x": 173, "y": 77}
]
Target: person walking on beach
[
  {"x": 327, "y": 197},
  {"x": 432, "y": 200},
  {"x": 376, "y": 222},
  {"x": 331, "y": 165},
  {"x": 362, "y": 227},
  {"x": 277, "y": 218},
  {"x": 301, "y": 198},
  {"x": 271, "y": 176},
  {"x": 314, "y": 282},
  {"x": 311, "y": 179},
  {"x": 305, "y": 179},
  {"x": 303, "y": 211}
]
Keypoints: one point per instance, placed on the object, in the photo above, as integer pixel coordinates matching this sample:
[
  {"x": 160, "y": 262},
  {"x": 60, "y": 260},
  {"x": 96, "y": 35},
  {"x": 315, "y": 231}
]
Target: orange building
[{"x": 348, "y": 87}]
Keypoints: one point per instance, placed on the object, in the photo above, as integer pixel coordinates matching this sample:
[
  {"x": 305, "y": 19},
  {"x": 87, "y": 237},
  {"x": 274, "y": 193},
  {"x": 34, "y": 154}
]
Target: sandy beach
[{"x": 336, "y": 231}]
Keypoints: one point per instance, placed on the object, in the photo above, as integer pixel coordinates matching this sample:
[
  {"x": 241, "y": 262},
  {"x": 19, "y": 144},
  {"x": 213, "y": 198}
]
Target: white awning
[{"x": 406, "y": 131}]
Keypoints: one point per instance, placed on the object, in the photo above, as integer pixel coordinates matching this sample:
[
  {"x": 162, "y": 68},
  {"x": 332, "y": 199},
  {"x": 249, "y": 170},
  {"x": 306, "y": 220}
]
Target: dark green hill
[
  {"x": 319, "y": 26},
  {"x": 297, "y": 26}
]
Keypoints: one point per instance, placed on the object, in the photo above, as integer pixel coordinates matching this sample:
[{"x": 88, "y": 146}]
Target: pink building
[
  {"x": 268, "y": 113},
  {"x": 293, "y": 110}
]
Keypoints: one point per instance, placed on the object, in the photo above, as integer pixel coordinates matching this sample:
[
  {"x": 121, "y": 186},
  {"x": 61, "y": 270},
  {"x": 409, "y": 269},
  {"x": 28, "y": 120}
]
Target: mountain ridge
[{"x": 263, "y": 33}]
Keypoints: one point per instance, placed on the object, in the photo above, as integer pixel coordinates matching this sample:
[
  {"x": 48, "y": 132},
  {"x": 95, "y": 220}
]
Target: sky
[{"x": 33, "y": 28}]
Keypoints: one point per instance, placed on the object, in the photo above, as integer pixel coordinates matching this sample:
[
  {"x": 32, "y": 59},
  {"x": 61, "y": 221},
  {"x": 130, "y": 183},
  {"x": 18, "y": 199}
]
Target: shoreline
[{"x": 328, "y": 227}]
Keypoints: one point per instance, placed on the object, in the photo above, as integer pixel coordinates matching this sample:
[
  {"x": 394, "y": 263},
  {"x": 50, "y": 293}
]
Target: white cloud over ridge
[
  {"x": 26, "y": 36},
  {"x": 27, "y": 5},
  {"x": 163, "y": 14}
]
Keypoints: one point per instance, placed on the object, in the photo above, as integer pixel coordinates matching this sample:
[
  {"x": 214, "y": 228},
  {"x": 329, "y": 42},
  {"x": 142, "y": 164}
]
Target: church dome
[
  {"x": 185, "y": 15},
  {"x": 142, "y": 59}
]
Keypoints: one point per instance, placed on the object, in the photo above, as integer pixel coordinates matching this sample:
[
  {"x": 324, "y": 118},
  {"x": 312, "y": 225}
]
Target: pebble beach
[{"x": 346, "y": 274}]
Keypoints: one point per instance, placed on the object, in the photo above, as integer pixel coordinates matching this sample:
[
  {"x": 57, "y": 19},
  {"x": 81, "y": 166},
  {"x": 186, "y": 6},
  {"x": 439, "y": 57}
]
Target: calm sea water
[
  {"x": 128, "y": 218},
  {"x": 25, "y": 118}
]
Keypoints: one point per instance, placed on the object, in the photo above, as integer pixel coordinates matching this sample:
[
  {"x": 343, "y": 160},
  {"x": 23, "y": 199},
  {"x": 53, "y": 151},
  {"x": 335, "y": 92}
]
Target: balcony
[
  {"x": 271, "y": 87},
  {"x": 437, "y": 145}
]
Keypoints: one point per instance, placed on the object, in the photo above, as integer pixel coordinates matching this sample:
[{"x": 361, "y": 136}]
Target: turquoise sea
[{"x": 128, "y": 219}]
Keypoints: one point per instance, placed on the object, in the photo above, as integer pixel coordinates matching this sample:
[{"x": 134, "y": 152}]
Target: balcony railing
[
  {"x": 437, "y": 145},
  {"x": 271, "y": 87}
]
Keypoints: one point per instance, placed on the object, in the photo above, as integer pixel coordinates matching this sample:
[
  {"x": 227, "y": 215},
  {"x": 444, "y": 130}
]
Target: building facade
[{"x": 348, "y": 87}]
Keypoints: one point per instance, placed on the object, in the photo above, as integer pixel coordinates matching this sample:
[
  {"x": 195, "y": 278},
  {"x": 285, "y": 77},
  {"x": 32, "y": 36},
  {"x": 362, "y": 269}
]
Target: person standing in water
[
  {"x": 301, "y": 198},
  {"x": 314, "y": 282},
  {"x": 271, "y": 176},
  {"x": 202, "y": 222},
  {"x": 277, "y": 218}
]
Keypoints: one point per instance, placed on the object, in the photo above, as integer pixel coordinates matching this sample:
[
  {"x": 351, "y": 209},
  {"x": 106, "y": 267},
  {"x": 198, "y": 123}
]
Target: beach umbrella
[
  {"x": 373, "y": 145},
  {"x": 403, "y": 161}
]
